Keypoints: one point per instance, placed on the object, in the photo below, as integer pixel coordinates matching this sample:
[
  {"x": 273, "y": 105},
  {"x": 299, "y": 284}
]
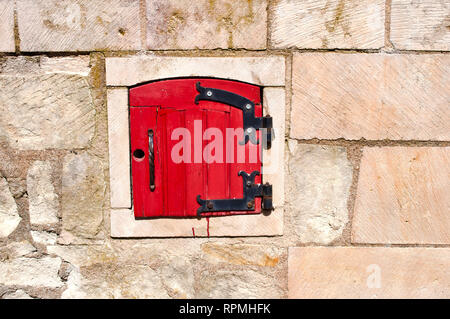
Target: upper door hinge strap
[{"x": 250, "y": 122}]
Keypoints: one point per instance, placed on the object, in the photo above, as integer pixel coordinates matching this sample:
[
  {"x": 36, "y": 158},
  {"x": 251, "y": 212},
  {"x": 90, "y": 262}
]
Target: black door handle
[{"x": 151, "y": 159}]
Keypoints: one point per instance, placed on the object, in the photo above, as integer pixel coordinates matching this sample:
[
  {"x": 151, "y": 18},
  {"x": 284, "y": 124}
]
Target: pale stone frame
[{"x": 123, "y": 72}]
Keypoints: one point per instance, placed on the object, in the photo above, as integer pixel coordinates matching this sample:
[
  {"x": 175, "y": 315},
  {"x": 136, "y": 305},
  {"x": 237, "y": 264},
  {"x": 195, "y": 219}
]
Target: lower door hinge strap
[{"x": 247, "y": 203}]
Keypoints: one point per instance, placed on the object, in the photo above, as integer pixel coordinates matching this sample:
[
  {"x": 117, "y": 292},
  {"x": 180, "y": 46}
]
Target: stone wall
[{"x": 367, "y": 151}]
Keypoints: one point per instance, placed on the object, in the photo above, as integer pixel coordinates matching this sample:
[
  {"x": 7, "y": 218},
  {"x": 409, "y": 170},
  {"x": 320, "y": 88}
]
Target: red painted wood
[{"x": 164, "y": 106}]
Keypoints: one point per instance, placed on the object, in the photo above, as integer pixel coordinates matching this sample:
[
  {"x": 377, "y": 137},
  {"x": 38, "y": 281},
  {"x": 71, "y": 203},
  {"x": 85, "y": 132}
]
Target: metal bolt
[
  {"x": 249, "y": 130},
  {"x": 249, "y": 184},
  {"x": 209, "y": 93},
  {"x": 248, "y": 106},
  {"x": 249, "y": 204},
  {"x": 210, "y": 205}
]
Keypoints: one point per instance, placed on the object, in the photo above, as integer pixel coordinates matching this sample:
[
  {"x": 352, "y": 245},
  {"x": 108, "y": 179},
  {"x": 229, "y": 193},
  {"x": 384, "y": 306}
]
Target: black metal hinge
[
  {"x": 247, "y": 203},
  {"x": 250, "y": 122}
]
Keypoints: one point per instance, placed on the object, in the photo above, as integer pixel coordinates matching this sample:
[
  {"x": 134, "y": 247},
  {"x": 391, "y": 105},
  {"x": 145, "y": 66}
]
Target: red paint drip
[
  {"x": 193, "y": 231},
  {"x": 207, "y": 225}
]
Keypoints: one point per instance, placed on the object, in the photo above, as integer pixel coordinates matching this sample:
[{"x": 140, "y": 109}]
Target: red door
[{"x": 190, "y": 154}]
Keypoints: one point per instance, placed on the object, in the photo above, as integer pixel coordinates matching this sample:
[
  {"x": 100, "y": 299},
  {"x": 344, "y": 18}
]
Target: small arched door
[{"x": 196, "y": 148}]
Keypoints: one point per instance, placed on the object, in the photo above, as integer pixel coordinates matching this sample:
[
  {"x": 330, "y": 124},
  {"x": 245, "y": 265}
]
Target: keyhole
[{"x": 138, "y": 155}]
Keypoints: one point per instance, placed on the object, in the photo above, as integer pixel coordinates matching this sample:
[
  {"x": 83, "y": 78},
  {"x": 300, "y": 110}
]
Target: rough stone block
[
  {"x": 79, "y": 25},
  {"x": 231, "y": 284},
  {"x": 371, "y": 96},
  {"x": 9, "y": 216},
  {"x": 403, "y": 196},
  {"x": 327, "y": 24},
  {"x": 368, "y": 272},
  {"x": 83, "y": 193},
  {"x": 420, "y": 24},
  {"x": 45, "y": 104},
  {"x": 318, "y": 187},
  {"x": 205, "y": 24},
  {"x": 241, "y": 254},
  {"x": 114, "y": 281},
  {"x": 18, "y": 294},
  {"x": 7, "y": 26},
  {"x": 129, "y": 270},
  {"x": 42, "y": 198},
  {"x": 17, "y": 249},
  {"x": 43, "y": 237},
  {"x": 31, "y": 272}
]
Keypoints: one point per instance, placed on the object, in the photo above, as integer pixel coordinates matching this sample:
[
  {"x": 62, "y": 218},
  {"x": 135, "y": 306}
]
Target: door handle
[{"x": 151, "y": 159}]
